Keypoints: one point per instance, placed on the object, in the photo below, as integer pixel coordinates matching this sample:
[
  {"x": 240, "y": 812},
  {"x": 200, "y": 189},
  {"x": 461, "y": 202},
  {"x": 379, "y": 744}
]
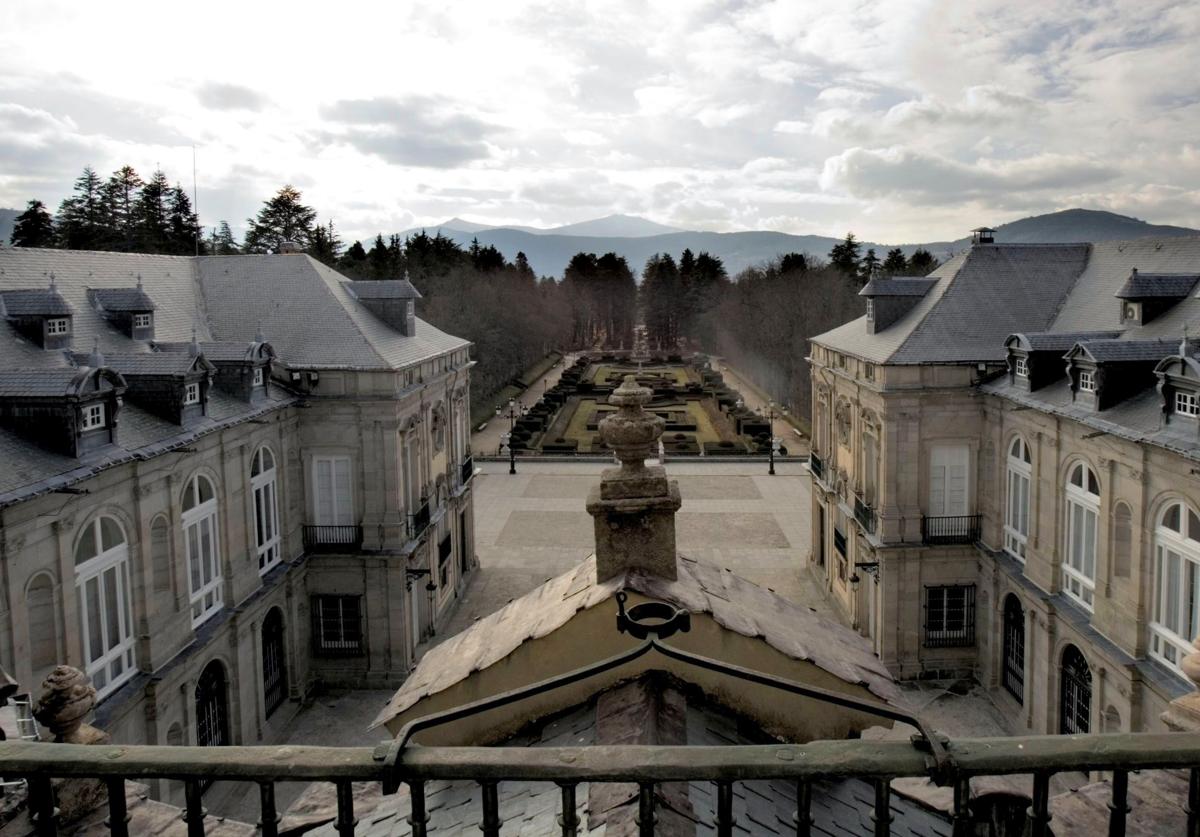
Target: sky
[{"x": 901, "y": 120}]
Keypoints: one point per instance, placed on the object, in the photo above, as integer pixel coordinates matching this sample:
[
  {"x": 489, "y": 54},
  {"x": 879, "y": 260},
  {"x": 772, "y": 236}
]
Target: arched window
[
  {"x": 1177, "y": 584},
  {"x": 203, "y": 555},
  {"x": 212, "y": 707},
  {"x": 1083, "y": 510},
  {"x": 105, "y": 604},
  {"x": 1075, "y": 698},
  {"x": 1013, "y": 670},
  {"x": 1016, "y": 518},
  {"x": 266, "y": 509},
  {"x": 274, "y": 670}
]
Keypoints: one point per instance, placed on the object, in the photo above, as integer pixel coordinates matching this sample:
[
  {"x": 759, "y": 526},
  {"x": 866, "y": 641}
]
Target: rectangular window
[
  {"x": 1087, "y": 381},
  {"x": 93, "y": 416},
  {"x": 191, "y": 394},
  {"x": 948, "y": 483},
  {"x": 142, "y": 321},
  {"x": 1187, "y": 404},
  {"x": 869, "y": 371},
  {"x": 950, "y": 616},
  {"x": 337, "y": 626},
  {"x": 445, "y": 549},
  {"x": 258, "y": 376},
  {"x": 58, "y": 326},
  {"x": 334, "y": 504},
  {"x": 1021, "y": 367}
]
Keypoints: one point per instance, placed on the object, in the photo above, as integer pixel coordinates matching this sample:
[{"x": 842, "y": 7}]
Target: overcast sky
[{"x": 910, "y": 120}]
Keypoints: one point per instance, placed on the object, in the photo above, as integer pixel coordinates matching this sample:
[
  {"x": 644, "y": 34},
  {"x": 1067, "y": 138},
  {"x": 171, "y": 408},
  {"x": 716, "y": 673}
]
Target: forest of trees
[{"x": 760, "y": 320}]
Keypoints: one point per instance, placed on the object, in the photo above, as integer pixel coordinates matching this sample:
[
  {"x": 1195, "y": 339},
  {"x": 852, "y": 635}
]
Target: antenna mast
[{"x": 195, "y": 200}]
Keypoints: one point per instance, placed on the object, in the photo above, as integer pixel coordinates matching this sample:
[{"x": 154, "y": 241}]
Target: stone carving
[
  {"x": 66, "y": 699},
  {"x": 841, "y": 417},
  {"x": 634, "y": 506},
  {"x": 1183, "y": 713}
]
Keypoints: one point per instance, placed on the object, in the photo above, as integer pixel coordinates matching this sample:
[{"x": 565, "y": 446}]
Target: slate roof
[
  {"x": 1127, "y": 351},
  {"x": 1158, "y": 285},
  {"x": 50, "y": 383},
  {"x": 1049, "y": 341},
  {"x": 313, "y": 319},
  {"x": 34, "y": 302},
  {"x": 840, "y": 808},
  {"x": 122, "y": 299},
  {"x": 230, "y": 351},
  {"x": 897, "y": 287},
  {"x": 385, "y": 289},
  {"x": 149, "y": 363},
  {"x": 733, "y": 602}
]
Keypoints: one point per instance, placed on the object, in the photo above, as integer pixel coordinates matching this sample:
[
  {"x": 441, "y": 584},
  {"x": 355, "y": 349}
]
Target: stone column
[{"x": 634, "y": 506}]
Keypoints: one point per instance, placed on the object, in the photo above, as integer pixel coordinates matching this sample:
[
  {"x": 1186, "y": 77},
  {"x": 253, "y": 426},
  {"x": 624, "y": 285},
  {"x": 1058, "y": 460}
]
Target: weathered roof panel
[
  {"x": 34, "y": 302},
  {"x": 1158, "y": 285},
  {"x": 132, "y": 300}
]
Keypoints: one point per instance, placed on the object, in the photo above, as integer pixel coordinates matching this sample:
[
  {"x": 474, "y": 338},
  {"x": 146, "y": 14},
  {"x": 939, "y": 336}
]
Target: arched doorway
[
  {"x": 1013, "y": 670},
  {"x": 273, "y": 662},
  {"x": 212, "y": 707},
  {"x": 1075, "y": 699}
]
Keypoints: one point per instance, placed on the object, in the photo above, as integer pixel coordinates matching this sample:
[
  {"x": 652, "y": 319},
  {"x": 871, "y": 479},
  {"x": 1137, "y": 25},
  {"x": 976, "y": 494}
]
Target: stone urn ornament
[
  {"x": 631, "y": 431},
  {"x": 66, "y": 698}
]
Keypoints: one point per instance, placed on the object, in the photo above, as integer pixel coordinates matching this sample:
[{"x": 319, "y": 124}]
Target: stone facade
[{"x": 948, "y": 506}]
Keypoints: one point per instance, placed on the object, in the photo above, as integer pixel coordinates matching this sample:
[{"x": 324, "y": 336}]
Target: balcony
[
  {"x": 468, "y": 470},
  {"x": 647, "y": 766},
  {"x": 333, "y": 538},
  {"x": 865, "y": 515},
  {"x": 839, "y": 541},
  {"x": 419, "y": 520},
  {"x": 816, "y": 466},
  {"x": 957, "y": 529}
]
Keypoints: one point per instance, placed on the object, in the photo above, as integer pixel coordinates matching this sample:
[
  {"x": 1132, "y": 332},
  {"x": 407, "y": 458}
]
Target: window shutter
[
  {"x": 324, "y": 478},
  {"x": 343, "y": 494}
]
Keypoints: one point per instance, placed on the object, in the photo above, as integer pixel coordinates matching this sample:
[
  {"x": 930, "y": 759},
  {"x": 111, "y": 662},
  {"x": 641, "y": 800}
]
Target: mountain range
[{"x": 637, "y": 239}]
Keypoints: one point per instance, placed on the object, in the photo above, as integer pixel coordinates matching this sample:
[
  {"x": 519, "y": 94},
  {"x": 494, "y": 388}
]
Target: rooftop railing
[
  {"x": 865, "y": 515},
  {"x": 955, "y": 529},
  {"x": 333, "y": 538},
  {"x": 647, "y": 766}
]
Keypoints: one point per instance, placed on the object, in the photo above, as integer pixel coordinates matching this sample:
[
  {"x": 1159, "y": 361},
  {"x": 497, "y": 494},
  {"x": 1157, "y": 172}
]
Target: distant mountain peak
[{"x": 617, "y": 225}]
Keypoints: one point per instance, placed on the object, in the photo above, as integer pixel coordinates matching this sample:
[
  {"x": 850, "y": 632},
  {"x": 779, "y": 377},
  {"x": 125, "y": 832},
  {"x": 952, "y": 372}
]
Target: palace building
[
  {"x": 226, "y": 481},
  {"x": 1005, "y": 460}
]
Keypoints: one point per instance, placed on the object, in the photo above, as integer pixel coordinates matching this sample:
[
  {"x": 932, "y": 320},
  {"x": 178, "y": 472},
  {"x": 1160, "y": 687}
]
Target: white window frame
[
  {"x": 191, "y": 393},
  {"x": 944, "y": 461},
  {"x": 107, "y": 572},
  {"x": 333, "y": 510},
  {"x": 94, "y": 417},
  {"x": 1087, "y": 380},
  {"x": 1021, "y": 366},
  {"x": 1081, "y": 529},
  {"x": 142, "y": 320},
  {"x": 264, "y": 489},
  {"x": 1178, "y": 589},
  {"x": 1187, "y": 403},
  {"x": 259, "y": 378},
  {"x": 1016, "y": 500},
  {"x": 58, "y": 325},
  {"x": 205, "y": 579}
]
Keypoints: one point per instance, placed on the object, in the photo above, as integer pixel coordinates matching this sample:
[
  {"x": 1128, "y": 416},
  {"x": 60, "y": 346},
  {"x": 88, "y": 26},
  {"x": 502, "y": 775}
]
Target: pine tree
[
  {"x": 355, "y": 259},
  {"x": 34, "y": 227},
  {"x": 222, "y": 242},
  {"x": 282, "y": 218},
  {"x": 659, "y": 299},
  {"x": 921, "y": 263},
  {"x": 150, "y": 215},
  {"x": 325, "y": 246},
  {"x": 524, "y": 271},
  {"x": 793, "y": 263},
  {"x": 869, "y": 266},
  {"x": 377, "y": 259},
  {"x": 79, "y": 216},
  {"x": 844, "y": 255},
  {"x": 184, "y": 227},
  {"x": 895, "y": 264},
  {"x": 118, "y": 197}
]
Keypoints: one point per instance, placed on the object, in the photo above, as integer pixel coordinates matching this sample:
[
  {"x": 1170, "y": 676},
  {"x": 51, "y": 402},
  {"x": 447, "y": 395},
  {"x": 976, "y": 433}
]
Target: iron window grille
[
  {"x": 1075, "y": 693},
  {"x": 274, "y": 680},
  {"x": 950, "y": 616},
  {"x": 337, "y": 626},
  {"x": 1012, "y": 675}
]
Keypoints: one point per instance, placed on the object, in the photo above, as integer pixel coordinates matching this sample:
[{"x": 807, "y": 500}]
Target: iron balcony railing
[
  {"x": 647, "y": 766},
  {"x": 865, "y": 515},
  {"x": 839, "y": 542},
  {"x": 468, "y": 469},
  {"x": 333, "y": 538},
  {"x": 961, "y": 528},
  {"x": 420, "y": 520},
  {"x": 816, "y": 466}
]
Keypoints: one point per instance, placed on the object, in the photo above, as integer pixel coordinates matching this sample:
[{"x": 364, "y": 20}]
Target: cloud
[
  {"x": 980, "y": 105},
  {"x": 416, "y": 131},
  {"x": 218, "y": 96},
  {"x": 922, "y": 178}
]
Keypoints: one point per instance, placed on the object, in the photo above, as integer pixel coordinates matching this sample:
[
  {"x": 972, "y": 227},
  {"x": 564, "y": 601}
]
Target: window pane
[
  {"x": 194, "y": 557},
  {"x": 112, "y": 613},
  {"x": 95, "y": 626},
  {"x": 1171, "y": 519},
  {"x": 205, "y": 489},
  {"x": 1089, "y": 550},
  {"x": 206, "y": 550},
  {"x": 86, "y": 550},
  {"x": 1171, "y": 616},
  {"x": 110, "y": 534}
]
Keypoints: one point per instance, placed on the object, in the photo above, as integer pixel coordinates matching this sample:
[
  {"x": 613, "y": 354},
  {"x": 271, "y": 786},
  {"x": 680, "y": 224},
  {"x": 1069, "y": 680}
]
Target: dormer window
[
  {"x": 143, "y": 320},
  {"x": 191, "y": 394},
  {"x": 1187, "y": 403},
  {"x": 93, "y": 417},
  {"x": 58, "y": 325},
  {"x": 1132, "y": 313},
  {"x": 1087, "y": 380},
  {"x": 258, "y": 376},
  {"x": 1021, "y": 366}
]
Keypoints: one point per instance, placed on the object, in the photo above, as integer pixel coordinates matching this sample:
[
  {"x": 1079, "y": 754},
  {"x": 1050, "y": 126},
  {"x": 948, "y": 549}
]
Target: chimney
[
  {"x": 287, "y": 248},
  {"x": 634, "y": 506},
  {"x": 983, "y": 235}
]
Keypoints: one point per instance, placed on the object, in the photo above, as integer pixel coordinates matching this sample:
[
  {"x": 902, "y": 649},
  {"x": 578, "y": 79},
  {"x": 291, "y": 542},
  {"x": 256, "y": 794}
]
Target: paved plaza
[{"x": 532, "y": 526}]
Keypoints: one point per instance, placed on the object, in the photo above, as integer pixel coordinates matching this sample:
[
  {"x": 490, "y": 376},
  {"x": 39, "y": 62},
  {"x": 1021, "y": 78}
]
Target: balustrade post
[
  {"x": 345, "y": 808},
  {"x": 1039, "y": 811},
  {"x": 569, "y": 818},
  {"x": 646, "y": 816},
  {"x": 491, "y": 809},
  {"x": 118, "y": 816},
  {"x": 1193, "y": 806},
  {"x": 883, "y": 808},
  {"x": 963, "y": 827},
  {"x": 193, "y": 811},
  {"x": 803, "y": 815},
  {"x": 724, "y": 809},
  {"x": 419, "y": 818},
  {"x": 1119, "y": 805},
  {"x": 41, "y": 803},
  {"x": 268, "y": 821}
]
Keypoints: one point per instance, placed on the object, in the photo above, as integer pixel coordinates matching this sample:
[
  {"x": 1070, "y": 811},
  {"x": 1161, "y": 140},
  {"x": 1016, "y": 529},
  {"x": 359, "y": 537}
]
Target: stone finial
[
  {"x": 631, "y": 431},
  {"x": 96, "y": 358},
  {"x": 634, "y": 506},
  {"x": 1183, "y": 713},
  {"x": 66, "y": 699}
]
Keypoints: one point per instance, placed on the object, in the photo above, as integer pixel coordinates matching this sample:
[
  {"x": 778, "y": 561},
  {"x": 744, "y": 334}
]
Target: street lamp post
[
  {"x": 771, "y": 415},
  {"x": 507, "y": 438}
]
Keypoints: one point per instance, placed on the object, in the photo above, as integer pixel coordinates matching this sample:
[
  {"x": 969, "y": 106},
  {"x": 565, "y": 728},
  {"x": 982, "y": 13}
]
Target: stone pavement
[{"x": 532, "y": 526}]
